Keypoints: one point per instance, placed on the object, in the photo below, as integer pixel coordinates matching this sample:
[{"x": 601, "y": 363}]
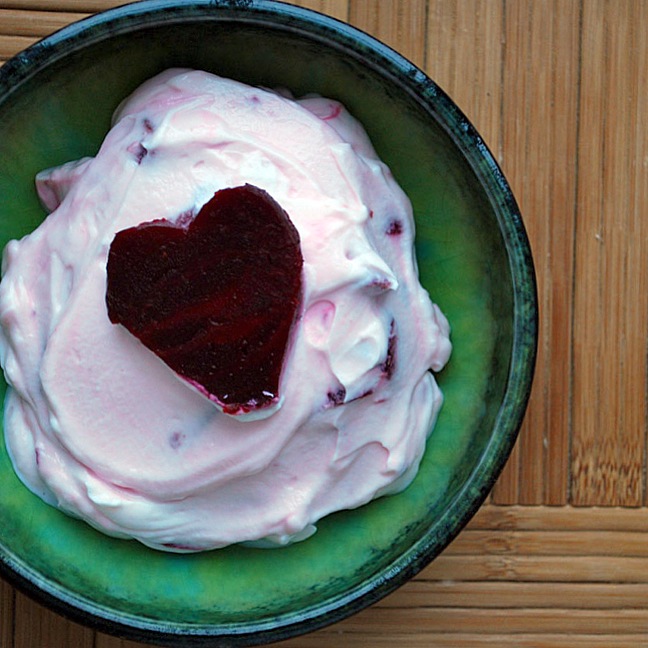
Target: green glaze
[{"x": 473, "y": 258}]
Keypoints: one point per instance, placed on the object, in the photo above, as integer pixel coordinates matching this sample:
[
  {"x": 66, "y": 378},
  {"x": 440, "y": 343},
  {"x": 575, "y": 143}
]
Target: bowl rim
[{"x": 428, "y": 95}]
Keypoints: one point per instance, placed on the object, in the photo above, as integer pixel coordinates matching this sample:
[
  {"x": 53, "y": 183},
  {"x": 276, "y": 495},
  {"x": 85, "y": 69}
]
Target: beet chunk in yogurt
[{"x": 214, "y": 298}]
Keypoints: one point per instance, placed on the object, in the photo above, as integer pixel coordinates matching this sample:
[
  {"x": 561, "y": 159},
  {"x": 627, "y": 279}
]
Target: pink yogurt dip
[{"x": 97, "y": 425}]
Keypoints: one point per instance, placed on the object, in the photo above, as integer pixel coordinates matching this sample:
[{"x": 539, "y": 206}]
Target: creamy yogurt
[{"x": 98, "y": 425}]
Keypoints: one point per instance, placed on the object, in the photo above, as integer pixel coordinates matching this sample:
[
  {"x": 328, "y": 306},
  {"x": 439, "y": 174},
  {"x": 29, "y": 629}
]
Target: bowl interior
[{"x": 473, "y": 260}]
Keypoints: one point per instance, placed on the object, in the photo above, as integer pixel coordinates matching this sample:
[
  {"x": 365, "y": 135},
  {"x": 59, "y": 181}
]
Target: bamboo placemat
[{"x": 558, "y": 557}]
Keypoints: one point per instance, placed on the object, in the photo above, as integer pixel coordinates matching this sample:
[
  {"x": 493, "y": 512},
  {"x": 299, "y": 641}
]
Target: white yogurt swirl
[{"x": 99, "y": 426}]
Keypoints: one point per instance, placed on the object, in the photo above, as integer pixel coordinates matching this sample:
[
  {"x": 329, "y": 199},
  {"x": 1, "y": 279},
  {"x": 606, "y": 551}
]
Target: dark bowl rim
[{"x": 392, "y": 65}]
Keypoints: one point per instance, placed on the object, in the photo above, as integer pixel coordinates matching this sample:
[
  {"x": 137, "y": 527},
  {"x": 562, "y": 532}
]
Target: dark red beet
[
  {"x": 214, "y": 298},
  {"x": 395, "y": 228},
  {"x": 389, "y": 364}
]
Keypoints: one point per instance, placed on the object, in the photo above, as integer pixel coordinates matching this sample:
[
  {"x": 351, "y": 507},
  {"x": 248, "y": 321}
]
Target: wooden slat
[
  {"x": 556, "y": 518},
  {"x": 494, "y": 621},
  {"x": 611, "y": 298},
  {"x": 539, "y": 105},
  {"x": 561, "y": 569},
  {"x": 37, "y": 626},
  {"x": 552, "y": 543},
  {"x": 335, "y": 8},
  {"x": 465, "y": 58},
  {"x": 34, "y": 23},
  {"x": 11, "y": 45},
  {"x": 79, "y": 6},
  {"x": 588, "y": 316},
  {"x": 399, "y": 23},
  {"x": 105, "y": 641},
  {"x": 480, "y": 594},
  {"x": 471, "y": 640},
  {"x": 6, "y": 614}
]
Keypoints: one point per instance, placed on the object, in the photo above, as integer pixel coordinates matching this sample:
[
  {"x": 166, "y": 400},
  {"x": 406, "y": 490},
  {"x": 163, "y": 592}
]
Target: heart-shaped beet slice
[{"x": 214, "y": 298}]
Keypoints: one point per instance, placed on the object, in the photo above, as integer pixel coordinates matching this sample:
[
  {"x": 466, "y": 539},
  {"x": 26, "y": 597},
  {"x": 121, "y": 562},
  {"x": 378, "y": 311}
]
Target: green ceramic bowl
[{"x": 56, "y": 100}]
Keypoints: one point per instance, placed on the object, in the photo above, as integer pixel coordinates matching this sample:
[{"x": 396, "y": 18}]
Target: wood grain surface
[{"x": 558, "y": 557}]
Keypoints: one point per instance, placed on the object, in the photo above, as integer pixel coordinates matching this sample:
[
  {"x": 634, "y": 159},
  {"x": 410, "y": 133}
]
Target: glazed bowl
[{"x": 56, "y": 101}]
